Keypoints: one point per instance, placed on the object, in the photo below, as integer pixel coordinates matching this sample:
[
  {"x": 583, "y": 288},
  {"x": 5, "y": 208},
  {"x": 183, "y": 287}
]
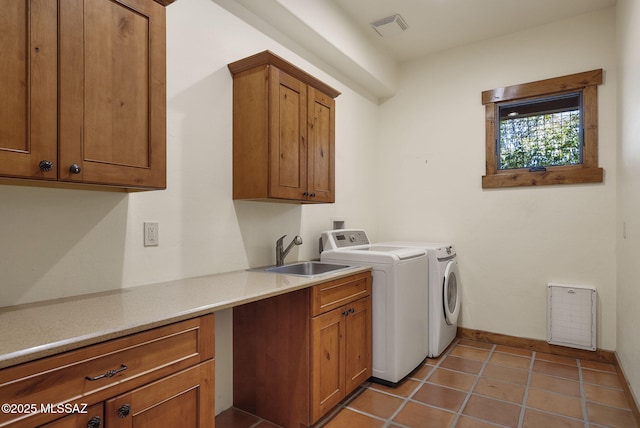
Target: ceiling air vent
[{"x": 390, "y": 26}]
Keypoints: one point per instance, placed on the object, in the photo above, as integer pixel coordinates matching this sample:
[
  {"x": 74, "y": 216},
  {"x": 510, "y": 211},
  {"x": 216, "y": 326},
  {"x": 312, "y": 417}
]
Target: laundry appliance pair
[{"x": 416, "y": 297}]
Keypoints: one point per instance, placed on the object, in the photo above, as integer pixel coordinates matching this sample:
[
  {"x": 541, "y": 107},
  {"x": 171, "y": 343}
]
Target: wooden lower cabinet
[
  {"x": 341, "y": 354},
  {"x": 159, "y": 377},
  {"x": 298, "y": 355},
  {"x": 93, "y": 418},
  {"x": 175, "y": 401}
]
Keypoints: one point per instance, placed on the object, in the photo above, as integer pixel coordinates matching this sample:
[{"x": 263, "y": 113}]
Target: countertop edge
[{"x": 46, "y": 349}]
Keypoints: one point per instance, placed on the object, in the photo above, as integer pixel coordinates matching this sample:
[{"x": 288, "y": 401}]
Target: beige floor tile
[
  {"x": 610, "y": 396},
  {"x": 555, "y": 384},
  {"x": 439, "y": 396},
  {"x": 536, "y": 419},
  {"x": 490, "y": 410},
  {"x": 416, "y": 415},
  {"x": 610, "y": 416},
  {"x": 461, "y": 381},
  {"x": 501, "y": 390},
  {"x": 555, "y": 403}
]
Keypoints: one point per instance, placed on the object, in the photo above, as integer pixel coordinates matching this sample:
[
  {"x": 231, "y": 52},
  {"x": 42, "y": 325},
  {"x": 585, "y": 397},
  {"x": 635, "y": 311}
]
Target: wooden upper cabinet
[
  {"x": 28, "y": 88},
  {"x": 288, "y": 136},
  {"x": 112, "y": 92},
  {"x": 283, "y": 132},
  {"x": 84, "y": 96},
  {"x": 321, "y": 150}
]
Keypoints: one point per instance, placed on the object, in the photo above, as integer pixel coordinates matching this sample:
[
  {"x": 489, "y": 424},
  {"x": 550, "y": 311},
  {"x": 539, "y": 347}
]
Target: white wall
[
  {"x": 422, "y": 182},
  {"x": 628, "y": 339},
  {"x": 510, "y": 242},
  {"x": 57, "y": 243}
]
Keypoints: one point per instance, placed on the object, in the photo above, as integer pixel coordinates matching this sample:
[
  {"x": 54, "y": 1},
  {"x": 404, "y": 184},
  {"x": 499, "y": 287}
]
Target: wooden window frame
[{"x": 587, "y": 172}]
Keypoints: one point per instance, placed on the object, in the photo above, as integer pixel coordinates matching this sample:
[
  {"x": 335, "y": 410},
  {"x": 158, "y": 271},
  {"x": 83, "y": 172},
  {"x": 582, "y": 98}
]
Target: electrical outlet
[{"x": 151, "y": 234}]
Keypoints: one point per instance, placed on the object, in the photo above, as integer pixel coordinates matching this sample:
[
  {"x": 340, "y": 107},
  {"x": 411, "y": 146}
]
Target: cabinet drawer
[
  {"x": 92, "y": 416},
  {"x": 333, "y": 294},
  {"x": 94, "y": 373}
]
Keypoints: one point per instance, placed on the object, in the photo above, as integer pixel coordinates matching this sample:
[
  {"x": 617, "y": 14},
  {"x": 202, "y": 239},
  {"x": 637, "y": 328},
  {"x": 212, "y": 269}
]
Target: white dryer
[
  {"x": 445, "y": 294},
  {"x": 400, "y": 320}
]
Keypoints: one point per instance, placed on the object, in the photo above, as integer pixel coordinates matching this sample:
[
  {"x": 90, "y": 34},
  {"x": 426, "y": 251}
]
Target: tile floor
[{"x": 476, "y": 384}]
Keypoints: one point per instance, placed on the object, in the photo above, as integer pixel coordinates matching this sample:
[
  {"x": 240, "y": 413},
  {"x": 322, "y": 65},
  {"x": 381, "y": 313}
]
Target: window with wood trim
[{"x": 543, "y": 132}]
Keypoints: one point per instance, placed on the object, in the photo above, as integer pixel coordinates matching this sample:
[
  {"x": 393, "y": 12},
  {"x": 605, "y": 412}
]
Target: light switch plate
[{"x": 151, "y": 238}]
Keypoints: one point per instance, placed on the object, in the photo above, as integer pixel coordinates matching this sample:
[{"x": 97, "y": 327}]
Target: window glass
[
  {"x": 543, "y": 132},
  {"x": 540, "y": 133}
]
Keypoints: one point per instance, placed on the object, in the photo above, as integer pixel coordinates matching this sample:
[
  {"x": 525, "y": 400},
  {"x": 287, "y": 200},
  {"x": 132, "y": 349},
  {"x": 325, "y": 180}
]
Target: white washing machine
[
  {"x": 445, "y": 294},
  {"x": 400, "y": 320}
]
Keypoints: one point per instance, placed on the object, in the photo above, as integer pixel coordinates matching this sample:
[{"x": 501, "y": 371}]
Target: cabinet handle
[
  {"x": 345, "y": 313},
  {"x": 351, "y": 310},
  {"x": 110, "y": 373},
  {"x": 305, "y": 194},
  {"x": 74, "y": 169},
  {"x": 313, "y": 195},
  {"x": 94, "y": 422},
  {"x": 45, "y": 165},
  {"x": 124, "y": 411}
]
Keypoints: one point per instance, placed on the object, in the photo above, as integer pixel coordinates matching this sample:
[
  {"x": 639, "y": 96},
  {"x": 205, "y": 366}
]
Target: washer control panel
[{"x": 344, "y": 238}]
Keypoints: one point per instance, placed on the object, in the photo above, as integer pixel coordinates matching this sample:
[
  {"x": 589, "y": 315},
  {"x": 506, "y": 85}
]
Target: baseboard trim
[
  {"x": 627, "y": 391},
  {"x": 599, "y": 355},
  {"x": 537, "y": 345}
]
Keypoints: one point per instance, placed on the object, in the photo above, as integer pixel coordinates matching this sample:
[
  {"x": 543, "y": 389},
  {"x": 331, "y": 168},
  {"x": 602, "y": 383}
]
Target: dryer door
[{"x": 451, "y": 292}]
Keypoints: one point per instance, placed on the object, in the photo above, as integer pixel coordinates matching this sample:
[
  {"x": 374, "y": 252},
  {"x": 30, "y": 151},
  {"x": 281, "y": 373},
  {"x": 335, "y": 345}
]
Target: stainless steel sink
[{"x": 309, "y": 269}]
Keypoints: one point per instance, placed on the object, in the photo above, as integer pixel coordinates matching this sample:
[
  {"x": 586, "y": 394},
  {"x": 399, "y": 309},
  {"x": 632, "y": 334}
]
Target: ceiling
[
  {"x": 336, "y": 35},
  {"x": 436, "y": 25}
]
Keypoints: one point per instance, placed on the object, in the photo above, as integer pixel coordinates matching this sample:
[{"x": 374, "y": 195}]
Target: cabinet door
[
  {"x": 321, "y": 118},
  {"x": 93, "y": 418},
  {"x": 327, "y": 361},
  {"x": 28, "y": 86},
  {"x": 287, "y": 136},
  {"x": 184, "y": 400},
  {"x": 358, "y": 343},
  {"x": 112, "y": 92}
]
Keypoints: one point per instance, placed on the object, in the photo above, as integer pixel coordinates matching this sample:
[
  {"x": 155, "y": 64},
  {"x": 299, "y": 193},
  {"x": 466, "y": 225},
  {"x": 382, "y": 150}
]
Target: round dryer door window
[{"x": 451, "y": 293}]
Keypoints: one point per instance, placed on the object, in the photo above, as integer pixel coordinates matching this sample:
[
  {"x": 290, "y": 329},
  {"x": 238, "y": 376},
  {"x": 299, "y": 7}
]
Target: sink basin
[{"x": 307, "y": 268}]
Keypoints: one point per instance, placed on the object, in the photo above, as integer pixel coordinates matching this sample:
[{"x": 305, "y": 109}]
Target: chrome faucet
[{"x": 281, "y": 253}]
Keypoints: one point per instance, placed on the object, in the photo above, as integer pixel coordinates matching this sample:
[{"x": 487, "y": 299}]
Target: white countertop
[{"x": 36, "y": 330}]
